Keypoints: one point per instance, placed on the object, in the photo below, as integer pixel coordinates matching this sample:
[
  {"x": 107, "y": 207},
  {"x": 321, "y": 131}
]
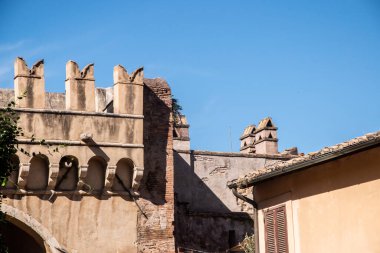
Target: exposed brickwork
[{"x": 155, "y": 234}]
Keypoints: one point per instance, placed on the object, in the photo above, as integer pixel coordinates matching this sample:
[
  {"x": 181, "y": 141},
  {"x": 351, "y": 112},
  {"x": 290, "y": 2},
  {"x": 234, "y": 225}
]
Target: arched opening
[
  {"x": 269, "y": 124},
  {"x": 68, "y": 174},
  {"x": 18, "y": 238},
  {"x": 270, "y": 136},
  {"x": 96, "y": 173},
  {"x": 13, "y": 177},
  {"x": 25, "y": 234},
  {"x": 38, "y": 173},
  {"x": 123, "y": 175}
]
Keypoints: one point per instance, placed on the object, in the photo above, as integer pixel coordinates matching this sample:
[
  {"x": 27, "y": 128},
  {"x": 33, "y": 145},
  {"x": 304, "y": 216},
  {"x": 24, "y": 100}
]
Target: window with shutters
[{"x": 276, "y": 234}]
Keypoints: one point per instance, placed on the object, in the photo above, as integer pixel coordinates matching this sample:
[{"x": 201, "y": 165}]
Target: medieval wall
[{"x": 88, "y": 191}]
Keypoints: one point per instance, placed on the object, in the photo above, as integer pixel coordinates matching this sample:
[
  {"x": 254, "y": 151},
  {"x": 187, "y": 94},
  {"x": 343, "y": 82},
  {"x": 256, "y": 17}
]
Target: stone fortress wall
[{"x": 113, "y": 150}]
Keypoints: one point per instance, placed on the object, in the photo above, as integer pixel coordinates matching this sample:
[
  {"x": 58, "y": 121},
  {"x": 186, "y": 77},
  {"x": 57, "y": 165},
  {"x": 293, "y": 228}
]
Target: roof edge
[{"x": 322, "y": 158}]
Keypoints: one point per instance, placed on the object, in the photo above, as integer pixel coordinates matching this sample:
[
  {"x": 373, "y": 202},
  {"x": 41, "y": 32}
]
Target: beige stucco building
[{"x": 326, "y": 201}]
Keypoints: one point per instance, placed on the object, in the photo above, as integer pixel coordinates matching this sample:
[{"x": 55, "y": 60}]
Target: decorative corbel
[
  {"x": 53, "y": 175},
  {"x": 110, "y": 176},
  {"x": 137, "y": 176},
  {"x": 23, "y": 175},
  {"x": 82, "y": 175}
]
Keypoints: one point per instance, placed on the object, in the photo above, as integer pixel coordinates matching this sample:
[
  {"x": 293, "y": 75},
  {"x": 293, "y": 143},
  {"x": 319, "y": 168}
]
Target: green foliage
[
  {"x": 248, "y": 244},
  {"x": 176, "y": 109},
  {"x": 9, "y": 131}
]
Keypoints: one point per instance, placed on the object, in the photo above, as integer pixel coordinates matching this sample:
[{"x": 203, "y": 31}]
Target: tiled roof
[
  {"x": 312, "y": 158},
  {"x": 248, "y": 130},
  {"x": 265, "y": 124}
]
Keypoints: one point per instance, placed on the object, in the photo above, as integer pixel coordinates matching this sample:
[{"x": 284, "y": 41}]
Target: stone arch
[
  {"x": 38, "y": 173},
  {"x": 68, "y": 174},
  {"x": 96, "y": 173},
  {"x": 13, "y": 177},
  {"x": 33, "y": 228},
  {"x": 124, "y": 173}
]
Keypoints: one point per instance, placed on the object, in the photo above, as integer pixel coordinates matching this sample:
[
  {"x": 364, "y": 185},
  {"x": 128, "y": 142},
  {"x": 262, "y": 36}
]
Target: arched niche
[
  {"x": 124, "y": 173},
  {"x": 96, "y": 173},
  {"x": 67, "y": 179},
  {"x": 13, "y": 177},
  {"x": 38, "y": 173}
]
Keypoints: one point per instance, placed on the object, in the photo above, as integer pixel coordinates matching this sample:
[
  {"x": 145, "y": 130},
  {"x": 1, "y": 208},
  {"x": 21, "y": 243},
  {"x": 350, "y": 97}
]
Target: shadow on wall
[
  {"x": 210, "y": 228},
  {"x": 156, "y": 130}
]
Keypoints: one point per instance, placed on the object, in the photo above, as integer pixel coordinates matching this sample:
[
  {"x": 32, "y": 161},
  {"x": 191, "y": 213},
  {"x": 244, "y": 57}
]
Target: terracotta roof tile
[{"x": 279, "y": 167}]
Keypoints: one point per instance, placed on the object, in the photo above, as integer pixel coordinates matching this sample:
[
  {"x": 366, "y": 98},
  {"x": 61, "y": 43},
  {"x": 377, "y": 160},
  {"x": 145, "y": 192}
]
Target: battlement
[
  {"x": 125, "y": 97},
  {"x": 88, "y": 122}
]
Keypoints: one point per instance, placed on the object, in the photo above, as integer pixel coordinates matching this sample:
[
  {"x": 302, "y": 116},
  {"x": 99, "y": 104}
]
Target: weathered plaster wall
[
  {"x": 201, "y": 177},
  {"x": 332, "y": 207},
  {"x": 84, "y": 223},
  {"x": 208, "y": 216}
]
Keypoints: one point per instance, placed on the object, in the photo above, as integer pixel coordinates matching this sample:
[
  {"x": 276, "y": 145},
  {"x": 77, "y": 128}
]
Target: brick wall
[{"x": 155, "y": 233}]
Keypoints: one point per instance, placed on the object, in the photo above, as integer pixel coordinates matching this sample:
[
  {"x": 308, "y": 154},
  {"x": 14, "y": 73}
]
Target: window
[{"x": 276, "y": 235}]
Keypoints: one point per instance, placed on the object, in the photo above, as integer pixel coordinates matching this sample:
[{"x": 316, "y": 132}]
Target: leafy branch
[{"x": 176, "y": 110}]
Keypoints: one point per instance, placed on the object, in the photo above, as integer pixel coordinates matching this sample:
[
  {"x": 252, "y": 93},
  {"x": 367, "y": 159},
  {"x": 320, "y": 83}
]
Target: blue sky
[{"x": 313, "y": 66}]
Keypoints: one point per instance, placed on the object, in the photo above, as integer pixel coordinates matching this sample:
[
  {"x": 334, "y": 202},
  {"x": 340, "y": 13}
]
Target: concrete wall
[{"x": 331, "y": 207}]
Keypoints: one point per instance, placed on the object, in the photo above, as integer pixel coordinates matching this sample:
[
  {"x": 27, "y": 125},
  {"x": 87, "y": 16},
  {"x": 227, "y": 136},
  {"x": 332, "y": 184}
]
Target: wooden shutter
[{"x": 276, "y": 234}]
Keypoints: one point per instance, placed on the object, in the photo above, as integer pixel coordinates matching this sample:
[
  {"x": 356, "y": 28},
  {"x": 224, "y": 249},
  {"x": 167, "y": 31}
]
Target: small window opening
[
  {"x": 270, "y": 136},
  {"x": 269, "y": 124},
  {"x": 231, "y": 238}
]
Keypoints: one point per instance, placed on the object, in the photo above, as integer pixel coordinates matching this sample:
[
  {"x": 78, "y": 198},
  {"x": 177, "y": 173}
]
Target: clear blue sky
[{"x": 313, "y": 66}]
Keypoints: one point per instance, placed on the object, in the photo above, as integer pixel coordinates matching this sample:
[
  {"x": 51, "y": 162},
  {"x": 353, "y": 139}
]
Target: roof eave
[{"x": 303, "y": 165}]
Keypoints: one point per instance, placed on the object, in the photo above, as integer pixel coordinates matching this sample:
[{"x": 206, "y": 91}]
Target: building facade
[
  {"x": 326, "y": 201},
  {"x": 116, "y": 172},
  {"x": 109, "y": 185}
]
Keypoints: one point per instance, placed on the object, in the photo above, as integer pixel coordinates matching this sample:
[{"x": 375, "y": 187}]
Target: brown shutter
[{"x": 276, "y": 236}]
